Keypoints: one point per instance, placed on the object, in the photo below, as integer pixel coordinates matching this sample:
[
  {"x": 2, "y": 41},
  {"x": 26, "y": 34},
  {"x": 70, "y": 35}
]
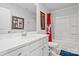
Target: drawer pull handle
[{"x": 19, "y": 54}]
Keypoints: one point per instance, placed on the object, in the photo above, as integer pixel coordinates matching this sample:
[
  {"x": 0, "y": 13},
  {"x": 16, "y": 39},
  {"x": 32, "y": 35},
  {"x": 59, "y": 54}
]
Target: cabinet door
[
  {"x": 37, "y": 52},
  {"x": 45, "y": 50},
  {"x": 25, "y": 51}
]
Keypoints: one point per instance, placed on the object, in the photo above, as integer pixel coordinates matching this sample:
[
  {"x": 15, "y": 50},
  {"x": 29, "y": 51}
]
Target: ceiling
[
  {"x": 56, "y": 6},
  {"x": 50, "y": 6},
  {"x": 29, "y": 6}
]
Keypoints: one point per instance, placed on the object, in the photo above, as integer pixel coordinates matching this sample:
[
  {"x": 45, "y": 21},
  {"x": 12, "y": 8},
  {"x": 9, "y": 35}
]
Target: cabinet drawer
[
  {"x": 23, "y": 51},
  {"x": 45, "y": 40},
  {"x": 35, "y": 45},
  {"x": 14, "y": 53}
]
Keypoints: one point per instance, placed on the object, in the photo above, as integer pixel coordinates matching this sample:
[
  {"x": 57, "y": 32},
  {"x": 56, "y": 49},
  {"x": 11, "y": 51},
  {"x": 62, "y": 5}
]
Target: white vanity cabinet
[{"x": 37, "y": 47}]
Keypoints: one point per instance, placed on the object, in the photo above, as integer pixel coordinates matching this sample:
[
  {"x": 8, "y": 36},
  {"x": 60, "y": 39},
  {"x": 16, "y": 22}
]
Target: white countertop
[{"x": 9, "y": 43}]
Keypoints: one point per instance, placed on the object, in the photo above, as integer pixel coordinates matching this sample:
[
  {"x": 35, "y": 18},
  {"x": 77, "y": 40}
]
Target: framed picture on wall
[
  {"x": 17, "y": 22},
  {"x": 42, "y": 18}
]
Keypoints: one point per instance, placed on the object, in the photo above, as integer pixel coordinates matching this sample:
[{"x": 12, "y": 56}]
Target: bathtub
[{"x": 57, "y": 47}]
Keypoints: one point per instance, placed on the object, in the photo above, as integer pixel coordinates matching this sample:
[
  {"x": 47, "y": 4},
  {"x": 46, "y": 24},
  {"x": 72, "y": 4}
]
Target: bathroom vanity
[
  {"x": 30, "y": 45},
  {"x": 19, "y": 45}
]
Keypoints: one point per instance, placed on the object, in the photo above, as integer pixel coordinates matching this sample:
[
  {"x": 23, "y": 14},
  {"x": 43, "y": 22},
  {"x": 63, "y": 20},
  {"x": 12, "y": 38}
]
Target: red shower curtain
[{"x": 49, "y": 28}]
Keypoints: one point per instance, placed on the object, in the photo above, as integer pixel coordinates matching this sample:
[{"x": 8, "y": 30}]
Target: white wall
[
  {"x": 66, "y": 27},
  {"x": 29, "y": 19},
  {"x": 5, "y": 20},
  {"x": 78, "y": 19},
  {"x": 39, "y": 8}
]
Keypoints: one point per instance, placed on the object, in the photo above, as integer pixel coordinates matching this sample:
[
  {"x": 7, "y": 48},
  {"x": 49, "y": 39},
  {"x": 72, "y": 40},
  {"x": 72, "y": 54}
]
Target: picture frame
[
  {"x": 42, "y": 18},
  {"x": 17, "y": 22}
]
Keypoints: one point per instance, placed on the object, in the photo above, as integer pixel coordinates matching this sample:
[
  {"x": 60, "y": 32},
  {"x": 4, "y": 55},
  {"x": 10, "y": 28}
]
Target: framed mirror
[{"x": 42, "y": 18}]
